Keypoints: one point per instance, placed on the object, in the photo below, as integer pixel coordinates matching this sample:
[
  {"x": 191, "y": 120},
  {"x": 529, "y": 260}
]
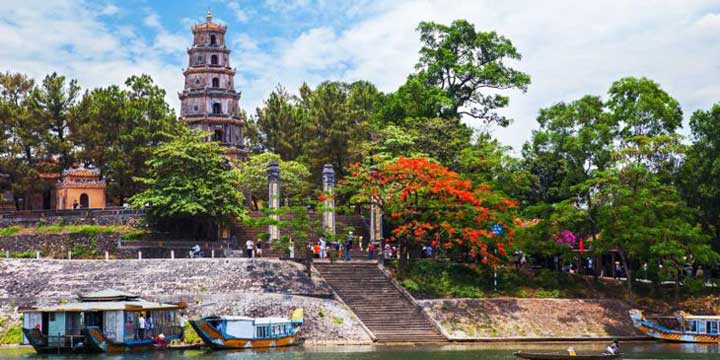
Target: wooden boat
[
  {"x": 693, "y": 328},
  {"x": 101, "y": 322},
  {"x": 564, "y": 356},
  {"x": 248, "y": 333}
]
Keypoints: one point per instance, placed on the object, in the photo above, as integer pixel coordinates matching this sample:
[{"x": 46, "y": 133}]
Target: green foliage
[
  {"x": 191, "y": 337},
  {"x": 463, "y": 62},
  {"x": 12, "y": 335},
  {"x": 27, "y": 254},
  {"x": 89, "y": 230},
  {"x": 134, "y": 235},
  {"x": 254, "y": 179},
  {"x": 190, "y": 179},
  {"x": 8, "y": 231},
  {"x": 338, "y": 320}
]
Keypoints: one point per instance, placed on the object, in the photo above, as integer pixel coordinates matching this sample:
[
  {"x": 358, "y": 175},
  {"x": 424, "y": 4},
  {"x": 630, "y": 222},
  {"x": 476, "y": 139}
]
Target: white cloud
[
  {"x": 152, "y": 20},
  {"x": 240, "y": 14},
  {"x": 109, "y": 9}
]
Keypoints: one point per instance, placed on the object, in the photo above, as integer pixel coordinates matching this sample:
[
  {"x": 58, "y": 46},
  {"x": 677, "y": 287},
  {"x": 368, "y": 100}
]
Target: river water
[{"x": 435, "y": 352}]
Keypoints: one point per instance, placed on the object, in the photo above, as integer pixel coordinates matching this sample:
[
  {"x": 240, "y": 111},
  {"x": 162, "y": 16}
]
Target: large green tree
[
  {"x": 254, "y": 179},
  {"x": 190, "y": 181},
  {"x": 700, "y": 177},
  {"x": 471, "y": 67},
  {"x": 117, "y": 129}
]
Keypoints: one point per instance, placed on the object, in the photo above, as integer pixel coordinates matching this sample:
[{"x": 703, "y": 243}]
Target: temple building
[
  {"x": 209, "y": 101},
  {"x": 75, "y": 188}
]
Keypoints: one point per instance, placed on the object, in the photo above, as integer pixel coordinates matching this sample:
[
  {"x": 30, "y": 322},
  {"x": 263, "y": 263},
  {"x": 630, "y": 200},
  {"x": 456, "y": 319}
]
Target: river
[{"x": 435, "y": 352}]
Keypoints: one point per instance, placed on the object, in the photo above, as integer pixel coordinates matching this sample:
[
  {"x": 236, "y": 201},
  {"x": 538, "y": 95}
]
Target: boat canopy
[
  {"x": 137, "y": 305},
  {"x": 257, "y": 321}
]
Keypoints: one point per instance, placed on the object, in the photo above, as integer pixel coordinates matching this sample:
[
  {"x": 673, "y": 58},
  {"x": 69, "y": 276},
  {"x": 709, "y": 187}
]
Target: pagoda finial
[{"x": 209, "y": 15}]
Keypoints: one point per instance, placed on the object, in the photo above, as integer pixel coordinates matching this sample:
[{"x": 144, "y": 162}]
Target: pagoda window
[
  {"x": 218, "y": 136},
  {"x": 217, "y": 108},
  {"x": 214, "y": 60},
  {"x": 216, "y": 82},
  {"x": 213, "y": 40}
]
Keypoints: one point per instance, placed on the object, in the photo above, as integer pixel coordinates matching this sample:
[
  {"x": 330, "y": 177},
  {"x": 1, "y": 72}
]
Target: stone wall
[
  {"x": 76, "y": 218},
  {"x": 58, "y": 245},
  {"x": 253, "y": 287},
  {"x": 467, "y": 319}
]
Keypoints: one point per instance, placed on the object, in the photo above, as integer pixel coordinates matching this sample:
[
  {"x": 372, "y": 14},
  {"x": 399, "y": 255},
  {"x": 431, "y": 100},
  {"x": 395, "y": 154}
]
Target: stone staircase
[{"x": 386, "y": 312}]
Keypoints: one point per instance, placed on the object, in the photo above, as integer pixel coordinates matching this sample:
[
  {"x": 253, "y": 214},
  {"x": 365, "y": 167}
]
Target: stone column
[
  {"x": 375, "y": 217},
  {"x": 273, "y": 172},
  {"x": 328, "y": 179}
]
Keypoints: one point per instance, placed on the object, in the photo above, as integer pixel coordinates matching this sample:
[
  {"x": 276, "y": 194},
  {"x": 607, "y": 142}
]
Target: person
[
  {"x": 258, "y": 249},
  {"x": 160, "y": 341},
  {"x": 387, "y": 252},
  {"x": 149, "y": 325},
  {"x": 196, "y": 250},
  {"x": 618, "y": 269},
  {"x": 423, "y": 252},
  {"x": 316, "y": 250},
  {"x": 249, "y": 247},
  {"x": 323, "y": 251},
  {"x": 141, "y": 327},
  {"x": 613, "y": 348},
  {"x": 348, "y": 245},
  {"x": 571, "y": 351},
  {"x": 291, "y": 248},
  {"x": 371, "y": 250},
  {"x": 75, "y": 204},
  {"x": 429, "y": 251},
  {"x": 181, "y": 323}
]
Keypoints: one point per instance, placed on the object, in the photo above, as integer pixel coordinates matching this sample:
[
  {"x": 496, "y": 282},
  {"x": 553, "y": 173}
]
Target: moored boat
[
  {"x": 561, "y": 356},
  {"x": 249, "y": 333},
  {"x": 692, "y": 328},
  {"x": 106, "y": 321}
]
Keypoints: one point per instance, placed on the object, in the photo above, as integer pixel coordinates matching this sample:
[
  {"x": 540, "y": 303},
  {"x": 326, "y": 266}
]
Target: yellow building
[{"x": 80, "y": 188}]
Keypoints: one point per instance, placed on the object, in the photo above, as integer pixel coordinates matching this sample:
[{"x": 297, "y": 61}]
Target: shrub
[
  {"x": 27, "y": 254},
  {"x": 12, "y": 230},
  {"x": 11, "y": 335},
  {"x": 133, "y": 235},
  {"x": 410, "y": 286}
]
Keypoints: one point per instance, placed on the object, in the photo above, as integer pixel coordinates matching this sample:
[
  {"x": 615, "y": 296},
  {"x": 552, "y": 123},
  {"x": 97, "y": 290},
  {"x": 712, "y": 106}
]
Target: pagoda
[{"x": 209, "y": 101}]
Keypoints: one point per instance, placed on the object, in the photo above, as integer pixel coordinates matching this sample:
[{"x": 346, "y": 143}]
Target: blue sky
[{"x": 570, "y": 48}]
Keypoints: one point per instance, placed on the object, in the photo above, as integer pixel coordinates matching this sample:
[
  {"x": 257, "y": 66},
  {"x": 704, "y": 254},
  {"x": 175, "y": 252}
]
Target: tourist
[
  {"x": 387, "y": 252},
  {"x": 429, "y": 252},
  {"x": 291, "y": 248},
  {"x": 323, "y": 251},
  {"x": 371, "y": 250},
  {"x": 195, "y": 251},
  {"x": 141, "y": 327},
  {"x": 160, "y": 341},
  {"x": 423, "y": 252},
  {"x": 571, "y": 351},
  {"x": 181, "y": 323},
  {"x": 149, "y": 325},
  {"x": 75, "y": 204},
  {"x": 249, "y": 247},
  {"x": 618, "y": 270},
  {"x": 316, "y": 250},
  {"x": 613, "y": 348},
  {"x": 258, "y": 249},
  {"x": 348, "y": 245},
  {"x": 394, "y": 252},
  {"x": 338, "y": 249}
]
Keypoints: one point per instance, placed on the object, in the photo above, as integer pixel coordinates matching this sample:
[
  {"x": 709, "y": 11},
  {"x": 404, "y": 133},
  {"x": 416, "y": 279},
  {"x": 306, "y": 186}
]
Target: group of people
[
  {"x": 321, "y": 249},
  {"x": 253, "y": 249},
  {"x": 146, "y": 329}
]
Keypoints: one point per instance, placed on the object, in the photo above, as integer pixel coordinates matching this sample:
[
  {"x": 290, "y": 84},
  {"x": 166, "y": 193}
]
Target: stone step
[{"x": 389, "y": 315}]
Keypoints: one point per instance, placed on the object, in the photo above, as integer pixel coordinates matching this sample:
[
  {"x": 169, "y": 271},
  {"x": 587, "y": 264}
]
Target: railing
[
  {"x": 65, "y": 341},
  {"x": 87, "y": 212},
  {"x": 167, "y": 331}
]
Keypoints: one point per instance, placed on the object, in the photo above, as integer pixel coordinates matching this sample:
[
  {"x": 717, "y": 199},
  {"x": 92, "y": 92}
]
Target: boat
[
  {"x": 564, "y": 356},
  {"x": 105, "y": 321},
  {"x": 249, "y": 333},
  {"x": 692, "y": 328}
]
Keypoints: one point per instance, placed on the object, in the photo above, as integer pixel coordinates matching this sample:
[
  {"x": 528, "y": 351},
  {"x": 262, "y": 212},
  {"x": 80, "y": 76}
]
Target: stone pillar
[
  {"x": 273, "y": 172},
  {"x": 328, "y": 179}
]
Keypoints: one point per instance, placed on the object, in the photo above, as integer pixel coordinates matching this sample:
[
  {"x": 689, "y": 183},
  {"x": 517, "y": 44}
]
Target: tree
[
  {"x": 282, "y": 124},
  {"x": 425, "y": 203},
  {"x": 700, "y": 174},
  {"x": 464, "y": 62},
  {"x": 116, "y": 130},
  {"x": 254, "y": 179},
  {"x": 190, "y": 182},
  {"x": 51, "y": 103}
]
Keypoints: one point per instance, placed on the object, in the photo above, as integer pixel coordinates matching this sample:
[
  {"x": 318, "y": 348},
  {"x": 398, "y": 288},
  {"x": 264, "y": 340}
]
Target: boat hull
[
  {"x": 558, "y": 356},
  {"x": 662, "y": 333},
  {"x": 94, "y": 342},
  {"x": 215, "y": 340}
]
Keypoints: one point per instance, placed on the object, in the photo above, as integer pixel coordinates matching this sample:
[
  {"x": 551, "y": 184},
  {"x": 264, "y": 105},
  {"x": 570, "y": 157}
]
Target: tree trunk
[
  {"x": 402, "y": 264},
  {"x": 628, "y": 275},
  {"x": 308, "y": 262}
]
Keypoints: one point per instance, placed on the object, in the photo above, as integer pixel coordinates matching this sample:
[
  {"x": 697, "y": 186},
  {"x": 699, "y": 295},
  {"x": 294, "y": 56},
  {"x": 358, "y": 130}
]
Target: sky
[{"x": 570, "y": 48}]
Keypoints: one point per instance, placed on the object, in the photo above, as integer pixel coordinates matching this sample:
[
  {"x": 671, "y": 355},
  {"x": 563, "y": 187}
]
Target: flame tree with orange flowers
[{"x": 427, "y": 204}]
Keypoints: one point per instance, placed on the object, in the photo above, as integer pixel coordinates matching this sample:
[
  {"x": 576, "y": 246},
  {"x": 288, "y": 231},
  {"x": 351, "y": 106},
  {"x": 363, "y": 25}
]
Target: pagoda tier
[{"x": 209, "y": 101}]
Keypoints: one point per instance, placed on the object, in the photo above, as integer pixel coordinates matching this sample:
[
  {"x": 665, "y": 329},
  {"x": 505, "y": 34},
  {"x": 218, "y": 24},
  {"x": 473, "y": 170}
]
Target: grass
[
  {"x": 338, "y": 320},
  {"x": 443, "y": 279},
  {"x": 133, "y": 235},
  {"x": 12, "y": 230},
  {"x": 11, "y": 335}
]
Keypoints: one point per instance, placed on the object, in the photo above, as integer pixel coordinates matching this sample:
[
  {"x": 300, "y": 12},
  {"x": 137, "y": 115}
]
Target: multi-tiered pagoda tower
[{"x": 209, "y": 101}]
